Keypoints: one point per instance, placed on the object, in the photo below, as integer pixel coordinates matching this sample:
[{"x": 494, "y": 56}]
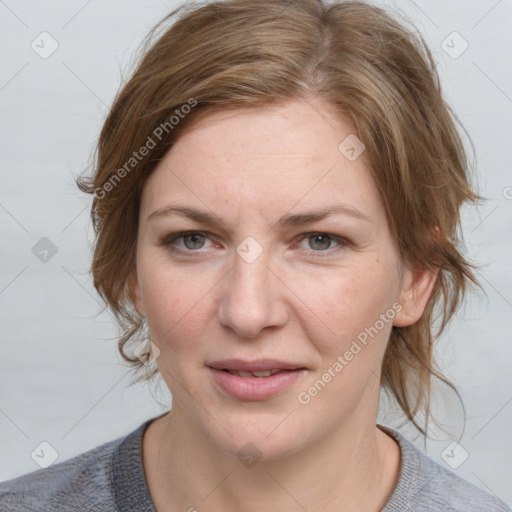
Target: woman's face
[{"x": 265, "y": 278}]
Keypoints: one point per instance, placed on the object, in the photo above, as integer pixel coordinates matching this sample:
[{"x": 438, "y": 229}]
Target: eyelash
[{"x": 169, "y": 240}]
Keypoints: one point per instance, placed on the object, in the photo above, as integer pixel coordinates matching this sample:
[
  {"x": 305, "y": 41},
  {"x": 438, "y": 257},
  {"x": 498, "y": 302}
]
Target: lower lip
[{"x": 255, "y": 388}]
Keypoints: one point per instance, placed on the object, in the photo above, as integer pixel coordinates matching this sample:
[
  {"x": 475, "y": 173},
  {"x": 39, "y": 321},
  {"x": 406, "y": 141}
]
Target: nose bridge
[{"x": 251, "y": 296}]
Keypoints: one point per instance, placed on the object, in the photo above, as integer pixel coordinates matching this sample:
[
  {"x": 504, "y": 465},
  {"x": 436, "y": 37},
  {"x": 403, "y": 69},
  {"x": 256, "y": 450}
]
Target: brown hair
[{"x": 253, "y": 53}]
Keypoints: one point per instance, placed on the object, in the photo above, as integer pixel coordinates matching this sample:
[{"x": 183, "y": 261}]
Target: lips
[
  {"x": 255, "y": 380},
  {"x": 260, "y": 365},
  {"x": 266, "y": 373}
]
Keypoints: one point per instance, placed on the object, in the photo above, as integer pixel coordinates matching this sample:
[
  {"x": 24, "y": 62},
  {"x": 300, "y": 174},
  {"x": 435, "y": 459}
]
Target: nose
[{"x": 253, "y": 298}]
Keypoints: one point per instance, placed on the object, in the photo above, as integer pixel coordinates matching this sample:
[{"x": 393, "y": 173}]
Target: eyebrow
[{"x": 300, "y": 219}]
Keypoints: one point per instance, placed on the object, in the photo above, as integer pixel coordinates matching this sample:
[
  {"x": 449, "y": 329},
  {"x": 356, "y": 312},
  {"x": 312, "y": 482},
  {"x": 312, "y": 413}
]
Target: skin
[{"x": 302, "y": 300}]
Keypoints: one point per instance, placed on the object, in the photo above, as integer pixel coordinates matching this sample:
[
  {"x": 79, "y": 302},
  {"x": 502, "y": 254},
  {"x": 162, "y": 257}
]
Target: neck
[{"x": 352, "y": 469}]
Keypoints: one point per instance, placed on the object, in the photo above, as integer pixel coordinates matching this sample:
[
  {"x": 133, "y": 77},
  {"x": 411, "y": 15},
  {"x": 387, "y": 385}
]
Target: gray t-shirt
[{"x": 111, "y": 477}]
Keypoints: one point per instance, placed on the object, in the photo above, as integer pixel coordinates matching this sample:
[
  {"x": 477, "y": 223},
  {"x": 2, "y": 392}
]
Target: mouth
[
  {"x": 255, "y": 380},
  {"x": 256, "y": 366},
  {"x": 266, "y": 373}
]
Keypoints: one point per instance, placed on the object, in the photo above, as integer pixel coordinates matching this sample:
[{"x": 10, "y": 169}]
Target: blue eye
[
  {"x": 319, "y": 242},
  {"x": 189, "y": 242},
  {"x": 192, "y": 241}
]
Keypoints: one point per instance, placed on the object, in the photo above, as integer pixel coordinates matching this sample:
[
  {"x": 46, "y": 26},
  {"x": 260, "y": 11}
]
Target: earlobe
[
  {"x": 134, "y": 293},
  {"x": 417, "y": 286}
]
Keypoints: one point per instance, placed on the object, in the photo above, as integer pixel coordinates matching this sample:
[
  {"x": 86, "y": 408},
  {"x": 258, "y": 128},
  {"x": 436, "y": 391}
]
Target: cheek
[
  {"x": 177, "y": 303},
  {"x": 343, "y": 322},
  {"x": 346, "y": 306}
]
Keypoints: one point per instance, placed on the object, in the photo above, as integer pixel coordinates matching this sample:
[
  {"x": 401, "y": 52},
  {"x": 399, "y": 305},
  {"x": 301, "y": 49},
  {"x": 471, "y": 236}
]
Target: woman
[{"x": 276, "y": 202}]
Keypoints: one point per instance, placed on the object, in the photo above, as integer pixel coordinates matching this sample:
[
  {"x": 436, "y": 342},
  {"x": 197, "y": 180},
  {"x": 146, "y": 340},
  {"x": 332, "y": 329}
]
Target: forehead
[{"x": 265, "y": 158}]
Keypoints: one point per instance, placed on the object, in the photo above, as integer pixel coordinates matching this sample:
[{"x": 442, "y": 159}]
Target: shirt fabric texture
[{"x": 111, "y": 477}]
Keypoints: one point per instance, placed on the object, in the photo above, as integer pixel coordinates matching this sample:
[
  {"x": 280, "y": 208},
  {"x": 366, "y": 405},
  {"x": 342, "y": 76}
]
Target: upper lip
[{"x": 259, "y": 365}]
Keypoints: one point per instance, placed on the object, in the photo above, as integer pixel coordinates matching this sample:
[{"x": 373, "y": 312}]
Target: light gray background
[{"x": 61, "y": 378}]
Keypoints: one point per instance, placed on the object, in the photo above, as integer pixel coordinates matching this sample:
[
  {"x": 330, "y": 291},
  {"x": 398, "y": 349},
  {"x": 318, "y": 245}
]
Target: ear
[
  {"x": 134, "y": 292},
  {"x": 417, "y": 286}
]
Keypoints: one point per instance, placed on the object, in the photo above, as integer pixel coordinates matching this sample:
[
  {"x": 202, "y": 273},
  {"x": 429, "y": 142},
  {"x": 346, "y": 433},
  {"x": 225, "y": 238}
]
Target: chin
[{"x": 258, "y": 435}]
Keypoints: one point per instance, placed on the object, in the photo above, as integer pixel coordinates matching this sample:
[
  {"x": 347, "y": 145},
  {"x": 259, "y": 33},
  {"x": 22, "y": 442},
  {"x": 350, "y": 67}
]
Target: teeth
[
  {"x": 262, "y": 374},
  {"x": 241, "y": 373}
]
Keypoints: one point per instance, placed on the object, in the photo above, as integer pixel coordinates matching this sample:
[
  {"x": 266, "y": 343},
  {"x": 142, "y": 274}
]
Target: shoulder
[
  {"x": 424, "y": 485},
  {"x": 84, "y": 482},
  {"x": 453, "y": 493}
]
